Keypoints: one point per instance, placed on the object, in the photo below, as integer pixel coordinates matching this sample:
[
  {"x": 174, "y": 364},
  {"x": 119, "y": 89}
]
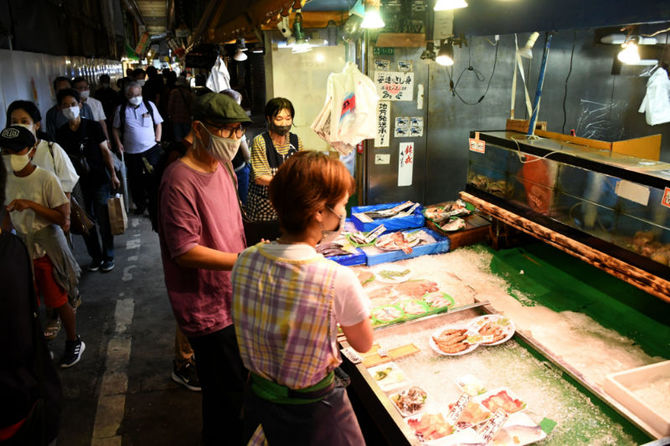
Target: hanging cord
[
  {"x": 565, "y": 93},
  {"x": 478, "y": 74}
]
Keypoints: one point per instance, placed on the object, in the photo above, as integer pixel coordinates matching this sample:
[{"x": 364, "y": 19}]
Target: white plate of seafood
[
  {"x": 491, "y": 329},
  {"x": 396, "y": 241},
  {"x": 452, "y": 340}
]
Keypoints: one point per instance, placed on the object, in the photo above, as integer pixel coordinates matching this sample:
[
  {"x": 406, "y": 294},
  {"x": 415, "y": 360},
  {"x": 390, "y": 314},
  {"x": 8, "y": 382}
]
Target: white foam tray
[{"x": 619, "y": 386}]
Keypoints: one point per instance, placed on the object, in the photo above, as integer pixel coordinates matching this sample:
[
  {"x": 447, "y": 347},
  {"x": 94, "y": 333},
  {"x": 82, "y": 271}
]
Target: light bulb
[
  {"x": 629, "y": 54},
  {"x": 446, "y": 5},
  {"x": 445, "y": 56},
  {"x": 372, "y": 19},
  {"x": 240, "y": 56}
]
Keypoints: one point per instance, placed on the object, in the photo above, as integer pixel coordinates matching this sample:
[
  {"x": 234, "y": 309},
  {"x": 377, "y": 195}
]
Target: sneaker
[
  {"x": 52, "y": 328},
  {"x": 73, "y": 352},
  {"x": 107, "y": 266},
  {"x": 187, "y": 376},
  {"x": 94, "y": 266}
]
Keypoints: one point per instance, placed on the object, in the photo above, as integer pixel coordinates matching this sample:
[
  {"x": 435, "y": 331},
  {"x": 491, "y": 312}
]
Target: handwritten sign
[
  {"x": 383, "y": 124},
  {"x": 477, "y": 145},
  {"x": 665, "y": 201},
  {"x": 394, "y": 85},
  {"x": 405, "y": 163}
]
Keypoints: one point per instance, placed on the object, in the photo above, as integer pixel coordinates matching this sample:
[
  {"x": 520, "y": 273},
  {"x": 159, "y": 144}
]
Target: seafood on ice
[{"x": 410, "y": 401}]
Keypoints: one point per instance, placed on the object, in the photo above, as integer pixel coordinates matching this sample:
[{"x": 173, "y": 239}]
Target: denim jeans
[
  {"x": 95, "y": 202},
  {"x": 243, "y": 182},
  {"x": 141, "y": 175}
]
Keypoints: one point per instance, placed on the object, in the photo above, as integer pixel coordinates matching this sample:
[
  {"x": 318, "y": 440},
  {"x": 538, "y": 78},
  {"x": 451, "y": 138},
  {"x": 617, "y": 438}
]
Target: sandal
[{"x": 52, "y": 329}]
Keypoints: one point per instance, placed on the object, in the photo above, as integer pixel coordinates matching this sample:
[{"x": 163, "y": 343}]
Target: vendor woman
[
  {"x": 287, "y": 302},
  {"x": 269, "y": 150}
]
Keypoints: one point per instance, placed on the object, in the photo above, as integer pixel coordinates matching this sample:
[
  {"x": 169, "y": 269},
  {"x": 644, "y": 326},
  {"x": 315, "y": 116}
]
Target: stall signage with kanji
[{"x": 394, "y": 85}]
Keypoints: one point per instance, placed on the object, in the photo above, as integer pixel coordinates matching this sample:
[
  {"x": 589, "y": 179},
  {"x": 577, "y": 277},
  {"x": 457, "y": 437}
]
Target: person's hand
[
  {"x": 19, "y": 205},
  {"x": 120, "y": 147},
  {"x": 115, "y": 181}
]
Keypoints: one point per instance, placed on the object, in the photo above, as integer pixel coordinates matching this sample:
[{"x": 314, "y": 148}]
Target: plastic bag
[
  {"x": 349, "y": 113},
  {"x": 656, "y": 103},
  {"x": 219, "y": 78}
]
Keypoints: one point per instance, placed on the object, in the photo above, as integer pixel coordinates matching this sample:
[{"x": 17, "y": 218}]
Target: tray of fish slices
[{"x": 465, "y": 336}]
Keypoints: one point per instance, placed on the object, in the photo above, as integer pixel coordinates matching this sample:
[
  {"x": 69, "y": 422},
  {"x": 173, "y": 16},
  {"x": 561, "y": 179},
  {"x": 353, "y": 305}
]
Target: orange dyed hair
[{"x": 304, "y": 184}]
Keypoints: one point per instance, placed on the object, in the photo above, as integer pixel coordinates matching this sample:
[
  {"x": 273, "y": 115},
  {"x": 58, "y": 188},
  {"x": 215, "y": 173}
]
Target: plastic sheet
[{"x": 602, "y": 121}]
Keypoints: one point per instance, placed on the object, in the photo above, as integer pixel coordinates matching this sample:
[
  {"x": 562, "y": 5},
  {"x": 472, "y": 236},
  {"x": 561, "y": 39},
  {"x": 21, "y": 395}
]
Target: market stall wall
[
  {"x": 598, "y": 104},
  {"x": 28, "y": 76}
]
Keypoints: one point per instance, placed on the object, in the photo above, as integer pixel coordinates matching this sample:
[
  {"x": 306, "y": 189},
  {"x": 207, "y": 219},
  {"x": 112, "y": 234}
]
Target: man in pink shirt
[{"x": 201, "y": 234}]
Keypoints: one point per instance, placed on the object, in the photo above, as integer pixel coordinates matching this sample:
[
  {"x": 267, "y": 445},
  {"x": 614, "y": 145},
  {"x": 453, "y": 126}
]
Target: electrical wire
[
  {"x": 565, "y": 92},
  {"x": 656, "y": 33},
  {"x": 480, "y": 77}
]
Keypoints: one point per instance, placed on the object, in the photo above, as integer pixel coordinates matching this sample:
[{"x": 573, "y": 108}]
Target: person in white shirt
[
  {"x": 137, "y": 132},
  {"x": 81, "y": 85}
]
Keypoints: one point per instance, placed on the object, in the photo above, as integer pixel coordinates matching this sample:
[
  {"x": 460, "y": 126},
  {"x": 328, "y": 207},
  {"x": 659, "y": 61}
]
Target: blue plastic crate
[
  {"x": 375, "y": 256},
  {"x": 416, "y": 220},
  {"x": 358, "y": 258}
]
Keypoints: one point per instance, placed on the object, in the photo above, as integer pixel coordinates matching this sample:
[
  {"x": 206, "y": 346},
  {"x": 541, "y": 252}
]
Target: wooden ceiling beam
[
  {"x": 214, "y": 21},
  {"x": 317, "y": 19},
  {"x": 257, "y": 14},
  {"x": 202, "y": 24}
]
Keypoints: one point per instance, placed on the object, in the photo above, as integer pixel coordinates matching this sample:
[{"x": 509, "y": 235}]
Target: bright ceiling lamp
[
  {"x": 445, "y": 56},
  {"x": 629, "y": 55},
  {"x": 527, "y": 51},
  {"x": 372, "y": 19},
  {"x": 240, "y": 54},
  {"x": 446, "y": 5}
]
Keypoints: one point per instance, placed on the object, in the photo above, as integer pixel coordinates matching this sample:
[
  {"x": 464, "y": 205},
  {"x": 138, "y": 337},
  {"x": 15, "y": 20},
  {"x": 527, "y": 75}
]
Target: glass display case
[{"x": 617, "y": 204}]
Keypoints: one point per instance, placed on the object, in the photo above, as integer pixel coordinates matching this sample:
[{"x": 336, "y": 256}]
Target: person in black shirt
[
  {"x": 86, "y": 145},
  {"x": 29, "y": 385}
]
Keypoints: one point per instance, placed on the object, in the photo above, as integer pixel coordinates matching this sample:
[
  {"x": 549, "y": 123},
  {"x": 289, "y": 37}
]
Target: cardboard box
[{"x": 622, "y": 385}]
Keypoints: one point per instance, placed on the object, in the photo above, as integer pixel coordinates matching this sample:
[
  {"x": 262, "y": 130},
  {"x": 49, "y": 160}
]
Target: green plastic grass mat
[{"x": 564, "y": 283}]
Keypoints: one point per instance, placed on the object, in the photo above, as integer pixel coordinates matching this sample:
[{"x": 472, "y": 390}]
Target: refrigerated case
[{"x": 616, "y": 207}]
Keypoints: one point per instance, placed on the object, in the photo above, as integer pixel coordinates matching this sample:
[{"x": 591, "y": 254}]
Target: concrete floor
[{"x": 121, "y": 392}]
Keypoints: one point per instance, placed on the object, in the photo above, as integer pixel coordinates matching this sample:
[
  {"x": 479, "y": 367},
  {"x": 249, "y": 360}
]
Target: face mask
[
  {"x": 141, "y": 83},
  {"x": 281, "y": 130},
  {"x": 71, "y": 113},
  {"x": 16, "y": 162},
  {"x": 30, "y": 127},
  {"x": 330, "y": 236},
  {"x": 135, "y": 100},
  {"x": 223, "y": 149},
  {"x": 105, "y": 85},
  {"x": 84, "y": 94}
]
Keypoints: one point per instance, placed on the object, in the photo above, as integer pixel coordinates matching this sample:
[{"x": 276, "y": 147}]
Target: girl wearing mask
[
  {"x": 269, "y": 150},
  {"x": 287, "y": 303}
]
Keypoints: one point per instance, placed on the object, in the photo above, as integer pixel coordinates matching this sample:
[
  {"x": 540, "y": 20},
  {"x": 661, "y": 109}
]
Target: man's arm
[
  {"x": 103, "y": 124},
  {"x": 207, "y": 258},
  {"x": 107, "y": 156},
  {"x": 59, "y": 215},
  {"x": 159, "y": 132},
  {"x": 117, "y": 138}
]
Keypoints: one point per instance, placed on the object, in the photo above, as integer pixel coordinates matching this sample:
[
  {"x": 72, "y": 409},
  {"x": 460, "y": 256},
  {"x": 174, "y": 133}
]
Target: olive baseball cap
[
  {"x": 218, "y": 109},
  {"x": 16, "y": 138}
]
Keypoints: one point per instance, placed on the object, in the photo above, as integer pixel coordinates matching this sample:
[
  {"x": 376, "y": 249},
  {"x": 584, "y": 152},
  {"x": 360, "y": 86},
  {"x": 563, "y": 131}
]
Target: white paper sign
[
  {"x": 405, "y": 163},
  {"x": 383, "y": 124},
  {"x": 401, "y": 129},
  {"x": 394, "y": 85}
]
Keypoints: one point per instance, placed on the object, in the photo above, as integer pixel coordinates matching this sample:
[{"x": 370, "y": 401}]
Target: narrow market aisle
[{"x": 121, "y": 392}]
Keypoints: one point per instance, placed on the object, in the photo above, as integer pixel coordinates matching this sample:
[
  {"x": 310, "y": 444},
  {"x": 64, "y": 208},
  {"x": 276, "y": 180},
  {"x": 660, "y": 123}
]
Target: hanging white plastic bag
[
  {"x": 656, "y": 103},
  {"x": 219, "y": 78}
]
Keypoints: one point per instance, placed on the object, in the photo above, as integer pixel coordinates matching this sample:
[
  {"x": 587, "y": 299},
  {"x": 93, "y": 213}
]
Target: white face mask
[
  {"x": 30, "y": 127},
  {"x": 84, "y": 94},
  {"x": 16, "y": 163},
  {"x": 71, "y": 113},
  {"x": 135, "y": 100},
  {"x": 141, "y": 83},
  {"x": 223, "y": 149},
  {"x": 330, "y": 236}
]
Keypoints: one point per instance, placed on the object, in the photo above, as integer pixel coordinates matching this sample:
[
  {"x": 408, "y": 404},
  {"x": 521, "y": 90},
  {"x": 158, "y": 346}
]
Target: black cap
[
  {"x": 16, "y": 138},
  {"x": 218, "y": 109}
]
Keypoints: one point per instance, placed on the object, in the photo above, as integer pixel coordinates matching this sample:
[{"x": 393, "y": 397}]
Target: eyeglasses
[
  {"x": 237, "y": 131},
  {"x": 225, "y": 132}
]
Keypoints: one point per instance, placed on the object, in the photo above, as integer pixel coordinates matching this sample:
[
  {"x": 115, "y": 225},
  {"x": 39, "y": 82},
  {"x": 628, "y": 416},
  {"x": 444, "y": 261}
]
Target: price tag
[
  {"x": 477, "y": 145},
  {"x": 665, "y": 201}
]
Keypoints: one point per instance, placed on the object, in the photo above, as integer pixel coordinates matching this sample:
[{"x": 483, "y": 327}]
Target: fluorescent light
[
  {"x": 445, "y": 56},
  {"x": 372, "y": 19},
  {"x": 445, "y": 5},
  {"x": 629, "y": 55}
]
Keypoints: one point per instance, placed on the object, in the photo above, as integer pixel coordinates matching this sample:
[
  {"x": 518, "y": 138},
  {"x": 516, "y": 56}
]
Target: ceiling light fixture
[
  {"x": 445, "y": 56},
  {"x": 630, "y": 54},
  {"x": 446, "y": 5},
  {"x": 372, "y": 18}
]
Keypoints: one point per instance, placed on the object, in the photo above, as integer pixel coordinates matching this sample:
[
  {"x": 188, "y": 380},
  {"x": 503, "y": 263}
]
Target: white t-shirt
[
  {"x": 43, "y": 188},
  {"x": 352, "y": 305},
  {"x": 59, "y": 164},
  {"x": 96, "y": 108},
  {"x": 139, "y": 134}
]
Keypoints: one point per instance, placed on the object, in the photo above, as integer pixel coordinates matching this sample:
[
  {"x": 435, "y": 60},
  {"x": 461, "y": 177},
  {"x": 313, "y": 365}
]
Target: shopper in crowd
[
  {"x": 179, "y": 109},
  {"x": 29, "y": 384},
  {"x": 81, "y": 85},
  {"x": 39, "y": 211},
  {"x": 268, "y": 151},
  {"x": 86, "y": 145},
  {"x": 154, "y": 86},
  {"x": 201, "y": 234},
  {"x": 137, "y": 133},
  {"x": 139, "y": 76},
  {"x": 55, "y": 117},
  {"x": 287, "y": 303},
  {"x": 109, "y": 99},
  {"x": 49, "y": 156},
  {"x": 241, "y": 160}
]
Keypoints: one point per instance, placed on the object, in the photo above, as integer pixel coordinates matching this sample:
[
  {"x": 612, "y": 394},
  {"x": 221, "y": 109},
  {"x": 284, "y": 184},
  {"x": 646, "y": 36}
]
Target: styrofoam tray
[{"x": 621, "y": 386}]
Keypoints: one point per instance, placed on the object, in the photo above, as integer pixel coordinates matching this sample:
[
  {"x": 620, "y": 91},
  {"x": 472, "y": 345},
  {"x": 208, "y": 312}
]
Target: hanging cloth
[
  {"x": 656, "y": 103},
  {"x": 219, "y": 78}
]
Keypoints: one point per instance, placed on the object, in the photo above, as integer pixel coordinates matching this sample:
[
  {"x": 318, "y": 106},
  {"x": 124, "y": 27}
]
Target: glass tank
[{"x": 618, "y": 204}]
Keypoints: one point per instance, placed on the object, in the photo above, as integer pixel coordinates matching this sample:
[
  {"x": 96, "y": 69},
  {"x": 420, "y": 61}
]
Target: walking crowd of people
[{"x": 257, "y": 309}]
